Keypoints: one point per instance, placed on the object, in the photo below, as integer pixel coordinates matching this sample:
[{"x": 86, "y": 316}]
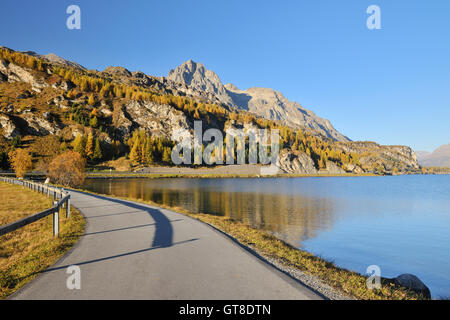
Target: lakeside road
[{"x": 137, "y": 251}]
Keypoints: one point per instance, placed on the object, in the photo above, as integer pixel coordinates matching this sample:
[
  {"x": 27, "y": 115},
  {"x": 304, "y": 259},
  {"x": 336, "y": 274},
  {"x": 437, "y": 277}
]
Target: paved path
[{"x": 135, "y": 251}]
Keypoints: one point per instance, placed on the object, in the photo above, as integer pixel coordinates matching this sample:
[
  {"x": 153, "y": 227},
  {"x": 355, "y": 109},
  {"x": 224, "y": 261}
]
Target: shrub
[{"x": 68, "y": 169}]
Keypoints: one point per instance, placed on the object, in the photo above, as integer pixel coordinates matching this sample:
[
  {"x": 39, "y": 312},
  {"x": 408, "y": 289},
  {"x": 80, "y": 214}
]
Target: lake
[{"x": 400, "y": 223}]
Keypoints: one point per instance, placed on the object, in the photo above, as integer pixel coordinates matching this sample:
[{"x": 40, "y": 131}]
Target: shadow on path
[
  {"x": 126, "y": 228},
  {"x": 113, "y": 257},
  {"x": 163, "y": 237},
  {"x": 164, "y": 231}
]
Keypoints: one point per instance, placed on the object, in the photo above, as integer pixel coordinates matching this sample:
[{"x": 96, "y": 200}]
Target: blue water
[{"x": 400, "y": 223}]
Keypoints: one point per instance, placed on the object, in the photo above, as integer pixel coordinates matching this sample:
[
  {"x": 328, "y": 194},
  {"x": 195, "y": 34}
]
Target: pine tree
[
  {"x": 104, "y": 92},
  {"x": 79, "y": 145},
  {"x": 93, "y": 122},
  {"x": 84, "y": 85},
  {"x": 118, "y": 92},
  {"x": 63, "y": 146},
  {"x": 167, "y": 158},
  {"x": 135, "y": 154},
  {"x": 196, "y": 114},
  {"x": 149, "y": 152},
  {"x": 89, "y": 150},
  {"x": 143, "y": 152},
  {"x": 20, "y": 160},
  {"x": 91, "y": 100},
  {"x": 97, "y": 151}
]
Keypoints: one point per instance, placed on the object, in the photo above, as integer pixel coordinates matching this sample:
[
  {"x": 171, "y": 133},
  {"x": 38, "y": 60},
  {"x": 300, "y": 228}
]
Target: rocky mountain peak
[
  {"x": 195, "y": 76},
  {"x": 231, "y": 87},
  {"x": 119, "y": 71},
  {"x": 264, "y": 102}
]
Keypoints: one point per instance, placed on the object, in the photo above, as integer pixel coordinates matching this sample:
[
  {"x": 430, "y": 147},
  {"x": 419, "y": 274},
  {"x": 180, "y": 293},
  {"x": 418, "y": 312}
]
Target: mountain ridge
[
  {"x": 265, "y": 102},
  {"x": 440, "y": 157},
  {"x": 47, "y": 106}
]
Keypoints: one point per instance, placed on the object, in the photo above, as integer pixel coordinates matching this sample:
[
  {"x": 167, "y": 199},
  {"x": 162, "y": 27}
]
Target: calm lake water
[{"x": 401, "y": 224}]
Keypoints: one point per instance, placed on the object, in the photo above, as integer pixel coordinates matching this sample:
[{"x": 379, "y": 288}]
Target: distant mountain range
[
  {"x": 438, "y": 158},
  {"x": 264, "y": 102}
]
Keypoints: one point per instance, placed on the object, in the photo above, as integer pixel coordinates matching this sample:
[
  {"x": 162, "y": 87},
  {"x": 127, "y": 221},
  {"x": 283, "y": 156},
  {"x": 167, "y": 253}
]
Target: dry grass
[
  {"x": 28, "y": 251},
  {"x": 121, "y": 164}
]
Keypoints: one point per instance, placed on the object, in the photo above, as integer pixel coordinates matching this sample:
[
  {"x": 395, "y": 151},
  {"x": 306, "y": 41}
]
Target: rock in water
[{"x": 413, "y": 283}]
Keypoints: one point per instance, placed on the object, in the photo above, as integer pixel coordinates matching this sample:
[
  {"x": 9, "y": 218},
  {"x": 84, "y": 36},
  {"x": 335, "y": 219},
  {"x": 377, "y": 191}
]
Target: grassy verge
[
  {"x": 346, "y": 282},
  {"x": 28, "y": 251}
]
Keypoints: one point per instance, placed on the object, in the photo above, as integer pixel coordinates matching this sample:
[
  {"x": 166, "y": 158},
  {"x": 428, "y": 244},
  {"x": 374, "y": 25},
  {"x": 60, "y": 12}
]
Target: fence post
[
  {"x": 68, "y": 208},
  {"x": 56, "y": 220}
]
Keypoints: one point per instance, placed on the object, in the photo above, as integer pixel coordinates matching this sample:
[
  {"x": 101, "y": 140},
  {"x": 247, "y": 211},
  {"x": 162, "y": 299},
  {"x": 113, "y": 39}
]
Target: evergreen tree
[
  {"x": 63, "y": 146},
  {"x": 149, "y": 151},
  {"x": 97, "y": 150},
  {"x": 84, "y": 86},
  {"x": 89, "y": 150},
  {"x": 167, "y": 155},
  {"x": 91, "y": 100},
  {"x": 135, "y": 154},
  {"x": 93, "y": 122},
  {"x": 79, "y": 145}
]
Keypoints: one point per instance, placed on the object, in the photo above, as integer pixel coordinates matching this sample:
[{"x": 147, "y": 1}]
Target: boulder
[
  {"x": 60, "y": 102},
  {"x": 40, "y": 126},
  {"x": 10, "y": 130},
  {"x": 353, "y": 168},
  {"x": 66, "y": 85},
  {"x": 332, "y": 168},
  {"x": 298, "y": 162},
  {"x": 15, "y": 73},
  {"x": 411, "y": 282},
  {"x": 152, "y": 117}
]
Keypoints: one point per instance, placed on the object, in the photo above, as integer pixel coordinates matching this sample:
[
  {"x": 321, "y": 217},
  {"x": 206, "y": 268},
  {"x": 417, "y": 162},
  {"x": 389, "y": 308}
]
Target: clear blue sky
[{"x": 391, "y": 85}]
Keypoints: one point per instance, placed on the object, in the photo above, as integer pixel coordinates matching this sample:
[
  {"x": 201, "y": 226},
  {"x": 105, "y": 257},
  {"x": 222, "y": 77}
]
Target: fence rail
[{"x": 61, "y": 200}]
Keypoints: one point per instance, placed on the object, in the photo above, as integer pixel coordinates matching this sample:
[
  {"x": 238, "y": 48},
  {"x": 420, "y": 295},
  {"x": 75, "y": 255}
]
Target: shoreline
[
  {"x": 212, "y": 176},
  {"x": 323, "y": 276}
]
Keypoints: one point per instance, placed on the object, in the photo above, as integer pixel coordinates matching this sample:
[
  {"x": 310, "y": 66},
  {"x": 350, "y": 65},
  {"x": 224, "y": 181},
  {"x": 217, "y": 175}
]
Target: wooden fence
[{"x": 61, "y": 200}]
